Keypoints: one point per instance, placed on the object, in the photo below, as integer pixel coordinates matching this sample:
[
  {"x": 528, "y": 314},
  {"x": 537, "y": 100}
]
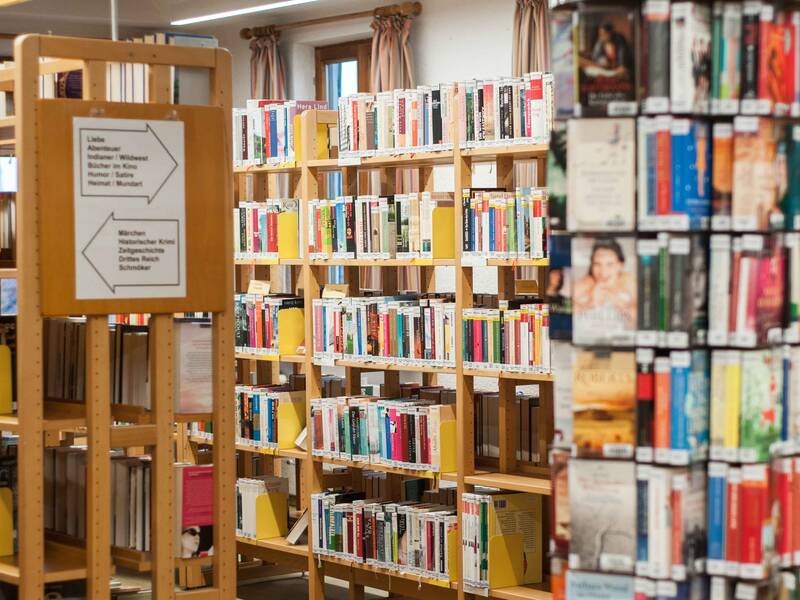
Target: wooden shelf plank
[
  {"x": 518, "y": 151},
  {"x": 518, "y": 262},
  {"x": 383, "y": 262},
  {"x": 288, "y": 358},
  {"x": 286, "y": 167},
  {"x": 367, "y": 466},
  {"x": 376, "y": 366},
  {"x": 510, "y": 375},
  {"x": 277, "y": 544},
  {"x": 268, "y": 261},
  {"x": 520, "y": 593},
  {"x": 510, "y": 481},
  {"x": 61, "y": 563},
  {"x": 295, "y": 453},
  {"x": 388, "y": 572},
  {"x": 8, "y": 273}
]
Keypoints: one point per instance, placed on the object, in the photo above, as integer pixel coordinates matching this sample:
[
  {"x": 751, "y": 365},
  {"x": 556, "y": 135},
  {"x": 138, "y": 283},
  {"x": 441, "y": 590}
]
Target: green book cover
[{"x": 760, "y": 420}]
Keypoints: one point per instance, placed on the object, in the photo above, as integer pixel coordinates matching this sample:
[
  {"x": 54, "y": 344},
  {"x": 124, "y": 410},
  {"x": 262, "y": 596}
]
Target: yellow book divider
[
  {"x": 288, "y": 241},
  {"x": 291, "y": 330},
  {"x": 322, "y": 141},
  {"x": 506, "y": 560},
  {"x": 447, "y": 446},
  {"x": 272, "y": 515},
  {"x": 5, "y": 380},
  {"x": 453, "y": 546},
  {"x": 443, "y": 232},
  {"x": 6, "y": 522},
  {"x": 291, "y": 418}
]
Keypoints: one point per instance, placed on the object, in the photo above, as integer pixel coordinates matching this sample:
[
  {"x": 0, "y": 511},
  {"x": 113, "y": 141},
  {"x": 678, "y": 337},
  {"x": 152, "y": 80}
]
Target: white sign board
[{"x": 130, "y": 208}]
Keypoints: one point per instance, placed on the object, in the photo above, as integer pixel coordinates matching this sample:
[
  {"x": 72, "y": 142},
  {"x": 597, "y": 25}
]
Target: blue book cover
[
  {"x": 717, "y": 502},
  {"x": 679, "y": 387},
  {"x": 262, "y": 234},
  {"x": 650, "y": 141},
  {"x": 400, "y": 349},
  {"x": 697, "y": 406},
  {"x": 642, "y": 479},
  {"x": 682, "y": 154},
  {"x": 785, "y": 390},
  {"x": 8, "y": 297},
  {"x": 273, "y": 133},
  {"x": 341, "y": 228},
  {"x": 558, "y": 291},
  {"x": 698, "y": 176},
  {"x": 491, "y": 227}
]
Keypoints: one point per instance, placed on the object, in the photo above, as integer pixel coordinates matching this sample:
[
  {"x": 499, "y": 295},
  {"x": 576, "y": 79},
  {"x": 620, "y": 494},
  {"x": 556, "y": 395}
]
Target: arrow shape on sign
[
  {"x": 135, "y": 252},
  {"x": 124, "y": 163}
]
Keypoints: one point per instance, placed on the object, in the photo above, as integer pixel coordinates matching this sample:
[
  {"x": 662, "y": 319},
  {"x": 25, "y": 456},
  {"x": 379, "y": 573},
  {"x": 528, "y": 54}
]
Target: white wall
[{"x": 451, "y": 40}]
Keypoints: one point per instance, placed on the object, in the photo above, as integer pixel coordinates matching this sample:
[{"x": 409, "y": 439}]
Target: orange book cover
[
  {"x": 661, "y": 434},
  {"x": 755, "y": 194}
]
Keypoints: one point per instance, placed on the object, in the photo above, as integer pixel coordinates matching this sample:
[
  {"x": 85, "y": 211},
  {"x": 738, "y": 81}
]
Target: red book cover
[
  {"x": 317, "y": 229},
  {"x": 529, "y": 92},
  {"x": 676, "y": 504},
  {"x": 662, "y": 378},
  {"x": 267, "y": 132},
  {"x": 736, "y": 263},
  {"x": 789, "y": 51},
  {"x": 259, "y": 322},
  {"x": 354, "y": 141},
  {"x": 783, "y": 477},
  {"x": 477, "y": 341},
  {"x": 752, "y": 294},
  {"x": 272, "y": 231},
  {"x": 754, "y": 517},
  {"x": 796, "y": 511},
  {"x": 194, "y": 488},
  {"x": 772, "y": 67},
  {"x": 663, "y": 171},
  {"x": 396, "y": 435},
  {"x": 256, "y": 240},
  {"x": 732, "y": 530},
  {"x": 424, "y": 441},
  {"x": 403, "y": 437},
  {"x": 358, "y": 513},
  {"x": 770, "y": 295}
]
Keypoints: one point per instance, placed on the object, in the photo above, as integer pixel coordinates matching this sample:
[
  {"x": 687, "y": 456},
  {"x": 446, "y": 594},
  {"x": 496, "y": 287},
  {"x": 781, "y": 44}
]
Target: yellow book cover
[
  {"x": 6, "y": 522},
  {"x": 717, "y": 425},
  {"x": 515, "y": 540},
  {"x": 733, "y": 384},
  {"x": 5, "y": 380}
]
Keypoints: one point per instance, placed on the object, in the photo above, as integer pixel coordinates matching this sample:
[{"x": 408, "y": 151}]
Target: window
[{"x": 342, "y": 69}]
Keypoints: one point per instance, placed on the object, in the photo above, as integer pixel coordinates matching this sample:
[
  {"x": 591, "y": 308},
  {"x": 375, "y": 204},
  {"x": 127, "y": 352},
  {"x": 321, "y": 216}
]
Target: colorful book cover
[
  {"x": 757, "y": 525},
  {"x": 604, "y": 404},
  {"x": 642, "y": 532},
  {"x": 557, "y": 176},
  {"x": 562, "y": 61},
  {"x": 194, "y": 505},
  {"x": 606, "y": 73},
  {"x": 559, "y": 502},
  {"x": 601, "y": 174},
  {"x": 760, "y": 422},
  {"x": 602, "y": 515},
  {"x": 751, "y": 17},
  {"x": 717, "y": 488},
  {"x": 690, "y": 57},
  {"x": 604, "y": 299},
  {"x": 691, "y": 171},
  {"x": 721, "y": 176},
  {"x": 647, "y": 293},
  {"x": 559, "y": 288},
  {"x": 645, "y": 403},
  {"x": 754, "y": 199},
  {"x": 725, "y": 82},
  {"x": 790, "y": 176}
]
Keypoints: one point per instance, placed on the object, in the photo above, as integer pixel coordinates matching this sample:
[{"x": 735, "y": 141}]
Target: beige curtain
[
  {"x": 531, "y": 45},
  {"x": 267, "y": 73},
  {"x": 391, "y": 66}
]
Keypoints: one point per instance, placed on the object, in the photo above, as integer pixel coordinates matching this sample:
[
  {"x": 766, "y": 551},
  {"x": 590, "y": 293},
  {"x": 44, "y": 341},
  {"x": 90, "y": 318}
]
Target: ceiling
[{"x": 159, "y": 13}]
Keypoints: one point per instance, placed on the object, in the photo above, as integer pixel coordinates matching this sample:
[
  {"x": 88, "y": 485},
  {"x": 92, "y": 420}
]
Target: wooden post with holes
[{"x": 92, "y": 58}]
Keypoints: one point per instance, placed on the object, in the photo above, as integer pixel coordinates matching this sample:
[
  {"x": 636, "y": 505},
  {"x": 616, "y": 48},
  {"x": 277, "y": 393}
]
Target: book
[
  {"x": 690, "y": 57},
  {"x": 194, "y": 510},
  {"x": 268, "y": 325},
  {"x": 557, "y": 177},
  {"x": 558, "y": 291},
  {"x": 192, "y": 386},
  {"x": 760, "y": 419},
  {"x": 655, "y": 62},
  {"x": 262, "y": 507},
  {"x": 602, "y": 500},
  {"x": 606, "y": 39},
  {"x": 604, "y": 403},
  {"x": 562, "y": 57},
  {"x": 601, "y": 169},
  {"x": 604, "y": 299},
  {"x": 582, "y": 585},
  {"x": 754, "y": 200},
  {"x": 726, "y": 56},
  {"x": 299, "y": 530}
]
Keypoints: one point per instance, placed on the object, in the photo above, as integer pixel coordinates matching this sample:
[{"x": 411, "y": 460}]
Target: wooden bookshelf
[
  {"x": 304, "y": 178},
  {"x": 42, "y": 560}
]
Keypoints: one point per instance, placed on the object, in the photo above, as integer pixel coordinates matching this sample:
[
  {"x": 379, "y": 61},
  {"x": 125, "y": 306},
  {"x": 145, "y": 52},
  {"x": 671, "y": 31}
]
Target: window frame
[{"x": 358, "y": 50}]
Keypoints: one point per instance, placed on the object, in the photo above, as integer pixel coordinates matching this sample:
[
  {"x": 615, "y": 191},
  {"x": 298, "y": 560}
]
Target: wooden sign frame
[{"x": 206, "y": 252}]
